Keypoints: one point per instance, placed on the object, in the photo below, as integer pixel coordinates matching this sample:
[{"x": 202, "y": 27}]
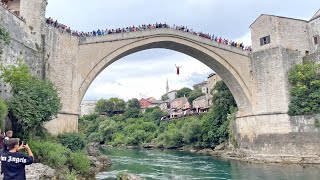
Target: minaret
[{"x": 167, "y": 86}]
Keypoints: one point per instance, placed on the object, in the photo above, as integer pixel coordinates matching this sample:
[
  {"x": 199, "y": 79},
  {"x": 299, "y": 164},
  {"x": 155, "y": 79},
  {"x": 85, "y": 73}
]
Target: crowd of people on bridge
[
  {"x": 103, "y": 32},
  {"x": 4, "y": 3}
]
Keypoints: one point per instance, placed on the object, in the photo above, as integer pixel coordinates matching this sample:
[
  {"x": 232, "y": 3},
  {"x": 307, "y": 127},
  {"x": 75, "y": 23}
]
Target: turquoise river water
[{"x": 169, "y": 164}]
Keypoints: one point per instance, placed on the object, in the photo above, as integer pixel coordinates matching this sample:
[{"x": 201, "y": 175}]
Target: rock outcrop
[{"x": 38, "y": 171}]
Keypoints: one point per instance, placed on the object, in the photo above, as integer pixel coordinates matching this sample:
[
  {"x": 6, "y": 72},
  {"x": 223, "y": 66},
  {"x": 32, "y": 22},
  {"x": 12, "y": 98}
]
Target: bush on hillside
[
  {"x": 73, "y": 141},
  {"x": 49, "y": 153},
  {"x": 79, "y": 162}
]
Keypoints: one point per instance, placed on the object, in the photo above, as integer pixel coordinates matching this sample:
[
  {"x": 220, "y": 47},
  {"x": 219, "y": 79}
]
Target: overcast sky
[{"x": 144, "y": 74}]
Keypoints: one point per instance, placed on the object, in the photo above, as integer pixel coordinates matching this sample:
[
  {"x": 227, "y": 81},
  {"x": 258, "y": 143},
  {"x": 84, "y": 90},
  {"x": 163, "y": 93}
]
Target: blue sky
[{"x": 144, "y": 74}]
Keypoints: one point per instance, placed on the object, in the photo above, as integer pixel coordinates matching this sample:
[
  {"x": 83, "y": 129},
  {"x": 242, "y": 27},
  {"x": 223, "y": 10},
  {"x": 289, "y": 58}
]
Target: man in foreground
[{"x": 13, "y": 162}]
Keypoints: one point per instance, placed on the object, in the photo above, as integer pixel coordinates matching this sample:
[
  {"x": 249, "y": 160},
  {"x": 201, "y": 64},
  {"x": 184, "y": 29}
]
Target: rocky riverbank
[{"x": 98, "y": 162}]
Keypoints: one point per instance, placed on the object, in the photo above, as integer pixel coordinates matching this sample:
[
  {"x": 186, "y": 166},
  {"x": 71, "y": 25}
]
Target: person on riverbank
[
  {"x": 6, "y": 139},
  {"x": 13, "y": 162}
]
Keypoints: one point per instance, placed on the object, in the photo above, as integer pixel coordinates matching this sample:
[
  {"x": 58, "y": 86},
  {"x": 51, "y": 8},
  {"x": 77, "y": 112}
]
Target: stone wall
[
  {"x": 34, "y": 13},
  {"x": 281, "y": 134},
  {"x": 270, "y": 131},
  {"x": 313, "y": 57},
  {"x": 61, "y": 52},
  {"x": 14, "y": 5},
  {"x": 314, "y": 30},
  {"x": 22, "y": 46},
  {"x": 286, "y": 32},
  {"x": 87, "y": 107},
  {"x": 270, "y": 78}
]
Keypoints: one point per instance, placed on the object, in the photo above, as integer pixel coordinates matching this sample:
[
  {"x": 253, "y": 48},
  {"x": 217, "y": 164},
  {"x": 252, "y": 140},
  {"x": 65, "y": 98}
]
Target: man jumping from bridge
[{"x": 178, "y": 69}]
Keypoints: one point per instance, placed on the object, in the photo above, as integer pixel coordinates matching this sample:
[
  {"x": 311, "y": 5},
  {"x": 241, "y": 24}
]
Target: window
[
  {"x": 265, "y": 40},
  {"x": 316, "y": 40}
]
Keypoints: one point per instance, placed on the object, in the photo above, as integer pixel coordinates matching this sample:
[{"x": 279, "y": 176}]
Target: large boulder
[
  {"x": 128, "y": 176},
  {"x": 207, "y": 151},
  {"x": 99, "y": 162},
  {"x": 39, "y": 171},
  {"x": 220, "y": 147}
]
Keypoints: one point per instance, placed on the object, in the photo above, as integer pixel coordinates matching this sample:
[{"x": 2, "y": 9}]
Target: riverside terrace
[{"x": 144, "y": 27}]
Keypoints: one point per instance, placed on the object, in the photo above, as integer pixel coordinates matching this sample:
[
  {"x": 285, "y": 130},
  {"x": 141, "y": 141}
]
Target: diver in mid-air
[{"x": 178, "y": 69}]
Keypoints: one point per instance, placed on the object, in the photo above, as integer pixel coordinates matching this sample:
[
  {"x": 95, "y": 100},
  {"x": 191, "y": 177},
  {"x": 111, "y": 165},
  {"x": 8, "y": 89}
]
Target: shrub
[
  {"x": 305, "y": 90},
  {"x": 79, "y": 162},
  {"x": 73, "y": 141},
  {"x": 49, "y": 153}
]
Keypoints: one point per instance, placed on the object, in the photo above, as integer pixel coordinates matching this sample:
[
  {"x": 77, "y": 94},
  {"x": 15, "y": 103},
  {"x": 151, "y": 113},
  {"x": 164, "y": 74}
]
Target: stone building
[
  {"x": 270, "y": 31},
  {"x": 148, "y": 103},
  {"x": 203, "y": 103},
  {"x": 213, "y": 78},
  {"x": 87, "y": 107},
  {"x": 180, "y": 103}
]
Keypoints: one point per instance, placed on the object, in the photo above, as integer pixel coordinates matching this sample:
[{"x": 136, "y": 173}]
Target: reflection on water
[{"x": 157, "y": 164}]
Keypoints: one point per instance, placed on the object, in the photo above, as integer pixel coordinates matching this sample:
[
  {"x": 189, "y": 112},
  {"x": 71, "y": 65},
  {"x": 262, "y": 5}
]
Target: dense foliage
[
  {"x": 184, "y": 92},
  {"x": 133, "y": 103},
  {"x": 33, "y": 102},
  {"x": 58, "y": 156},
  {"x": 73, "y": 141},
  {"x": 197, "y": 131},
  {"x": 305, "y": 90},
  {"x": 110, "y": 106},
  {"x": 194, "y": 94}
]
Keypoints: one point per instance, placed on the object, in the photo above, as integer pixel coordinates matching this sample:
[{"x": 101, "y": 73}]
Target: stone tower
[
  {"x": 167, "y": 88},
  {"x": 33, "y": 11}
]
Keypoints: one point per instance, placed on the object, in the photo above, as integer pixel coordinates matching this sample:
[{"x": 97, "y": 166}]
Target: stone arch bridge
[{"x": 258, "y": 82}]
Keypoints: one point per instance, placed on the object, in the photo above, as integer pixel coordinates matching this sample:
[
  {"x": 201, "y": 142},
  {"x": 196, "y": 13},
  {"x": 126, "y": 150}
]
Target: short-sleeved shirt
[{"x": 13, "y": 165}]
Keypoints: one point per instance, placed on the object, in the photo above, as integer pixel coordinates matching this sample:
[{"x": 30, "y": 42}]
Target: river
[{"x": 169, "y": 164}]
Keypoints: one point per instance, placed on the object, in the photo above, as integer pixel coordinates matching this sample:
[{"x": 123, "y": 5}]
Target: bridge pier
[
  {"x": 63, "y": 123},
  {"x": 279, "y": 138}
]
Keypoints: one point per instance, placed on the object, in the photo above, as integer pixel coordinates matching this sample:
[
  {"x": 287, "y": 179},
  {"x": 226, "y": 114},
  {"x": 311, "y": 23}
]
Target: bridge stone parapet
[{"x": 160, "y": 32}]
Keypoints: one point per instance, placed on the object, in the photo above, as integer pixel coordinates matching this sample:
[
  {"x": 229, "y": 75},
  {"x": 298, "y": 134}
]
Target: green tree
[
  {"x": 133, "y": 103},
  {"x": 305, "y": 90},
  {"x": 132, "y": 113},
  {"x": 111, "y": 106},
  {"x": 194, "y": 95},
  {"x": 101, "y": 106},
  {"x": 116, "y": 105},
  {"x": 16, "y": 76},
  {"x": 184, "y": 92},
  {"x": 215, "y": 123},
  {"x": 34, "y": 101}
]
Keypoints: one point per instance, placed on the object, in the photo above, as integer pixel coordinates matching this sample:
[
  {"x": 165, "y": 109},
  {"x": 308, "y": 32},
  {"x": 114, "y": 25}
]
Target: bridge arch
[{"x": 232, "y": 64}]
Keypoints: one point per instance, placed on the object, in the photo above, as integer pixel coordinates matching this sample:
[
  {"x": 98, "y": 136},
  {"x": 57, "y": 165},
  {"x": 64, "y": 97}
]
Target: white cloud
[{"x": 246, "y": 39}]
